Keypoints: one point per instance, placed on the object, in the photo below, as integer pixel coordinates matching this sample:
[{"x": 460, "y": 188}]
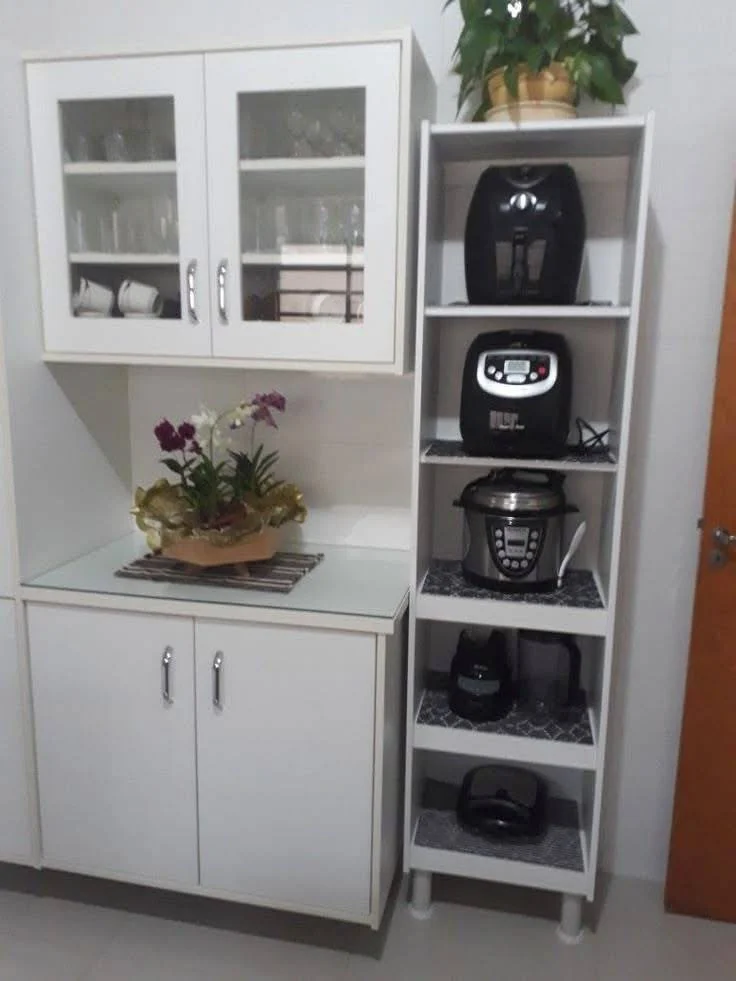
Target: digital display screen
[
  {"x": 516, "y": 541},
  {"x": 517, "y": 367}
]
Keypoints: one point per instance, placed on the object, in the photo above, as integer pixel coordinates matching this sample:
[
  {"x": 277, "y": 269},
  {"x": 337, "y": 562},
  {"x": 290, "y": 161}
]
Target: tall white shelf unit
[{"x": 612, "y": 159}]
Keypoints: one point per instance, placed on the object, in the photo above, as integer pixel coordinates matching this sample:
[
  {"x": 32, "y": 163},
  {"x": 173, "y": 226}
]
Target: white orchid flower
[{"x": 204, "y": 422}]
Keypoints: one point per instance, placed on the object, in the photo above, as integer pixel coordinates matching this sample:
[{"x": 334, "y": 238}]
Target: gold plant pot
[
  {"x": 198, "y": 551},
  {"x": 549, "y": 94}
]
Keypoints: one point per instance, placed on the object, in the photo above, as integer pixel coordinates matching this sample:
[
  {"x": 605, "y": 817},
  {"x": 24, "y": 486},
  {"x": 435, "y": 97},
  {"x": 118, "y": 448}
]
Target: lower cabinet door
[
  {"x": 113, "y": 701},
  {"x": 15, "y": 808},
  {"x": 285, "y": 730}
]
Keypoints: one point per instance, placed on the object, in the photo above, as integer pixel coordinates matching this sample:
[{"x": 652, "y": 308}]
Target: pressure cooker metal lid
[{"x": 510, "y": 491}]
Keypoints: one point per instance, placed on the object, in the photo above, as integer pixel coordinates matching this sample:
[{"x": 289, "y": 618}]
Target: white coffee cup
[
  {"x": 138, "y": 300},
  {"x": 93, "y": 299}
]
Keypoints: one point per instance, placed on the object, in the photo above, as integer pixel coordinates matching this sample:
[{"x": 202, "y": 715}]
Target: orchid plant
[
  {"x": 223, "y": 492},
  {"x": 212, "y": 485}
]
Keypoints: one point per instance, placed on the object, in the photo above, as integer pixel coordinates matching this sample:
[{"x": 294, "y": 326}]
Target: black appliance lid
[
  {"x": 486, "y": 784},
  {"x": 527, "y": 491}
]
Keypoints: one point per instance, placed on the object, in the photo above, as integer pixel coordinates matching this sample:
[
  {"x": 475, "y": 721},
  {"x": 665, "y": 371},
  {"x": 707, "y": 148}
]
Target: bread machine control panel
[{"x": 517, "y": 374}]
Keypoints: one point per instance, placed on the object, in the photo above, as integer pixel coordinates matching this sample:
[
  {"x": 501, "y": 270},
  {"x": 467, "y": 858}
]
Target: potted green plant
[
  {"x": 227, "y": 506},
  {"x": 533, "y": 59}
]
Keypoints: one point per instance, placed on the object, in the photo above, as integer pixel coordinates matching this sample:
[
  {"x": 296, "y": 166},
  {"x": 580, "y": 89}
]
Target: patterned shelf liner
[
  {"x": 445, "y": 449},
  {"x": 435, "y": 711},
  {"x": 579, "y": 589},
  {"x": 559, "y": 848}
]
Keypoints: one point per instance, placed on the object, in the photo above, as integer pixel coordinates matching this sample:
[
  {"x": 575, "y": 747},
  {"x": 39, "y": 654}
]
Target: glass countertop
[{"x": 360, "y": 582}]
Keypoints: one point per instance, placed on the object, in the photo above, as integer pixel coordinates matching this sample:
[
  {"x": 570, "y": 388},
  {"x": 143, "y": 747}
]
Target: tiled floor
[{"x": 47, "y": 938}]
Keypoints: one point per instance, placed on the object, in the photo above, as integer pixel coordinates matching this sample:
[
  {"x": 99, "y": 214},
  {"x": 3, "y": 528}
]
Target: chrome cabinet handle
[
  {"x": 192, "y": 292},
  {"x": 222, "y": 290},
  {"x": 166, "y": 675},
  {"x": 217, "y": 680}
]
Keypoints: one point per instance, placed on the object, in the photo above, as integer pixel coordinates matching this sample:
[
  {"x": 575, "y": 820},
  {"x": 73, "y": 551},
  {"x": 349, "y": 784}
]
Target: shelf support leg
[
  {"x": 421, "y": 895},
  {"x": 570, "y": 930}
]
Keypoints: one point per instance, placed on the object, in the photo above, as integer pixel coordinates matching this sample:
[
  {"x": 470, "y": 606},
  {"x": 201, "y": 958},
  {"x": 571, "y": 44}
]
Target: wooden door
[
  {"x": 15, "y": 807},
  {"x": 701, "y": 879},
  {"x": 116, "y": 751},
  {"x": 285, "y": 765},
  {"x": 119, "y": 165},
  {"x": 303, "y": 145}
]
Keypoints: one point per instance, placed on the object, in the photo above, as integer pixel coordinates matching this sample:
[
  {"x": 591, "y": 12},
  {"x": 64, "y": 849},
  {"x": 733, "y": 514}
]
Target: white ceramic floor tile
[
  {"x": 77, "y": 927},
  {"x": 55, "y": 940},
  {"x": 152, "y": 949},
  {"x": 22, "y": 959}
]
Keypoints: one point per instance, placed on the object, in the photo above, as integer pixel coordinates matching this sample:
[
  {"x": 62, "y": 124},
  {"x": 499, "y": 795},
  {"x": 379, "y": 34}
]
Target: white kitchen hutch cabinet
[
  {"x": 247, "y": 753},
  {"x": 239, "y": 207},
  {"x": 285, "y": 753},
  {"x": 113, "y": 698},
  {"x": 16, "y": 819}
]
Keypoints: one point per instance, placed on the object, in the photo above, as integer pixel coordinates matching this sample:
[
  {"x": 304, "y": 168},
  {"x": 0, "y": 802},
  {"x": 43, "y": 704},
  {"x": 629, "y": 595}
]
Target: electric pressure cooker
[{"x": 514, "y": 529}]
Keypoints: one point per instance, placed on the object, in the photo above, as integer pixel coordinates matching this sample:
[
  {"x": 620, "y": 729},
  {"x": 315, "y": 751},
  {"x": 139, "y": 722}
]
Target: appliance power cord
[{"x": 594, "y": 444}]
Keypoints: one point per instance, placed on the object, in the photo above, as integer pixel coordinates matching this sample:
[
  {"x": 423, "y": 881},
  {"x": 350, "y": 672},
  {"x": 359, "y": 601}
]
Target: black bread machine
[
  {"x": 516, "y": 394},
  {"x": 524, "y": 236}
]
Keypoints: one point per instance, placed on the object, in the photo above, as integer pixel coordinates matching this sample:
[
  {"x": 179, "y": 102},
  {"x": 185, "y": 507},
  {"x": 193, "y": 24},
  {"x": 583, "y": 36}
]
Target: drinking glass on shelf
[
  {"x": 116, "y": 146},
  {"x": 105, "y": 240},
  {"x": 302, "y": 148},
  {"x": 342, "y": 124},
  {"x": 164, "y": 225},
  {"x": 329, "y": 225},
  {"x": 321, "y": 138},
  {"x": 258, "y": 225},
  {"x": 115, "y": 226},
  {"x": 354, "y": 223},
  {"x": 296, "y": 123},
  {"x": 80, "y": 239},
  {"x": 78, "y": 149},
  {"x": 281, "y": 225}
]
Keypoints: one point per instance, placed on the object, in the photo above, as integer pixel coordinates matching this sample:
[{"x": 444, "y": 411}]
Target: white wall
[
  {"x": 344, "y": 441},
  {"x": 687, "y": 75},
  {"x": 70, "y": 472}
]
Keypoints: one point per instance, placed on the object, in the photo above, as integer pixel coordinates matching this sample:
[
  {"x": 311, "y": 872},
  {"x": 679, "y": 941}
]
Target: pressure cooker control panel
[
  {"x": 517, "y": 374},
  {"x": 516, "y": 548}
]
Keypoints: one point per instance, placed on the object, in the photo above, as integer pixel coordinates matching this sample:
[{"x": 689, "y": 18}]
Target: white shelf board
[
  {"x": 544, "y": 877},
  {"x": 448, "y": 861},
  {"x": 124, "y": 259},
  {"x": 94, "y": 168},
  {"x": 463, "y": 311},
  {"x": 529, "y": 613},
  {"x": 123, "y": 178},
  {"x": 315, "y": 259},
  {"x": 604, "y": 136},
  {"x": 307, "y": 176},
  {"x": 452, "y": 455},
  {"x": 301, "y": 164},
  {"x": 515, "y": 749}
]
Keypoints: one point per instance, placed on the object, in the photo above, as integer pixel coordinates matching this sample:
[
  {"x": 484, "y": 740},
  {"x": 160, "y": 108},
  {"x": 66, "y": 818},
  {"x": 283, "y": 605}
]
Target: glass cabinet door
[
  {"x": 302, "y": 165},
  {"x": 120, "y": 173}
]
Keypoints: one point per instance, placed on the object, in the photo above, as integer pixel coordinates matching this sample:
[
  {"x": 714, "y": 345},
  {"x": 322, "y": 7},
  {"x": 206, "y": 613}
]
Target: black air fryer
[
  {"x": 517, "y": 388},
  {"x": 524, "y": 236}
]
